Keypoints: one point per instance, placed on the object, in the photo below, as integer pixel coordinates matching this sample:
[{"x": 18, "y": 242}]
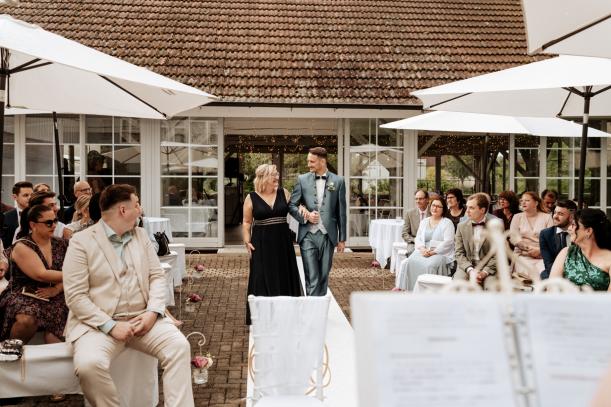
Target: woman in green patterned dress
[{"x": 587, "y": 260}]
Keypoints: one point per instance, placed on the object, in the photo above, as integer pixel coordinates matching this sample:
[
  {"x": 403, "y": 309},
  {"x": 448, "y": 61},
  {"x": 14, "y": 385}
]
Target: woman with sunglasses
[
  {"x": 34, "y": 299},
  {"x": 456, "y": 205},
  {"x": 587, "y": 261},
  {"x": 434, "y": 248}
]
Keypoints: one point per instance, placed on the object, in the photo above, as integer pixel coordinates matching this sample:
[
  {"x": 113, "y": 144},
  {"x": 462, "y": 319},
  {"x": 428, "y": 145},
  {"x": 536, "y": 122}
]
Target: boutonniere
[{"x": 330, "y": 186}]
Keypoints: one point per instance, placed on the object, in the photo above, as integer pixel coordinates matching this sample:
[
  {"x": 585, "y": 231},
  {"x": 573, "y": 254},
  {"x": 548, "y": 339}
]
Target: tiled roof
[{"x": 297, "y": 51}]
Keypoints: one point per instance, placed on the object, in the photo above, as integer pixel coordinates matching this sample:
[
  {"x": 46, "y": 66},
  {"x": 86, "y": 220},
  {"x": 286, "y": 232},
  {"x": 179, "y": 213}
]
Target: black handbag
[{"x": 163, "y": 242}]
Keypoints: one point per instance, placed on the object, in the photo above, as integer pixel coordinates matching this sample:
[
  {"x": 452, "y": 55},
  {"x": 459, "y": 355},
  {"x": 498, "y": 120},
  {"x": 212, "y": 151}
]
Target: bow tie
[
  {"x": 478, "y": 224},
  {"x": 321, "y": 177}
]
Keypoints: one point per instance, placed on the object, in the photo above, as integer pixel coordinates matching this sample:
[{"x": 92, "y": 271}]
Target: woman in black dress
[{"x": 273, "y": 265}]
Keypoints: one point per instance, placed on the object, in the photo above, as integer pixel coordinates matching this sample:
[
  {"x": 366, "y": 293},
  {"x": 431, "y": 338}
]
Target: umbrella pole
[
  {"x": 3, "y": 71},
  {"x": 584, "y": 146},
  {"x": 58, "y": 160}
]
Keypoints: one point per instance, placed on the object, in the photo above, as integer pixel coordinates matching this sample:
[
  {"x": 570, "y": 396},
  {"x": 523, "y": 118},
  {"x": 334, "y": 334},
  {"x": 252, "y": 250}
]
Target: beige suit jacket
[
  {"x": 465, "y": 249},
  {"x": 411, "y": 222},
  {"x": 91, "y": 278}
]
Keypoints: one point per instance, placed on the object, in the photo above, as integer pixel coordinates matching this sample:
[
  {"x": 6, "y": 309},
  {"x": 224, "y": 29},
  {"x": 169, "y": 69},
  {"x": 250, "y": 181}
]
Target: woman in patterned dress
[
  {"x": 587, "y": 261},
  {"x": 36, "y": 262}
]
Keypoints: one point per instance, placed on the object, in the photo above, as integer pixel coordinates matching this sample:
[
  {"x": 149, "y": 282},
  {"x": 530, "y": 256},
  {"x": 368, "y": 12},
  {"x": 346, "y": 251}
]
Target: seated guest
[
  {"x": 94, "y": 208},
  {"x": 42, "y": 187},
  {"x": 556, "y": 238},
  {"x": 528, "y": 224},
  {"x": 549, "y": 197},
  {"x": 21, "y": 194},
  {"x": 587, "y": 261},
  {"x": 48, "y": 199},
  {"x": 434, "y": 248},
  {"x": 472, "y": 246},
  {"x": 509, "y": 205},
  {"x": 80, "y": 188},
  {"x": 81, "y": 219},
  {"x": 456, "y": 205},
  {"x": 3, "y": 262},
  {"x": 412, "y": 219},
  {"x": 115, "y": 290},
  {"x": 37, "y": 258}
]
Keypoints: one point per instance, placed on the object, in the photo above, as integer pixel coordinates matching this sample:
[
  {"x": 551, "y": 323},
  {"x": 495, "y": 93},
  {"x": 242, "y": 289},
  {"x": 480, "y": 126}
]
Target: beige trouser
[
  {"x": 489, "y": 282},
  {"x": 94, "y": 351}
]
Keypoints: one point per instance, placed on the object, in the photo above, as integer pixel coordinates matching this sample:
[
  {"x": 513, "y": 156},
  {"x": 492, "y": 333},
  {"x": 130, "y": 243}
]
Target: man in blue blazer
[
  {"x": 318, "y": 202},
  {"x": 556, "y": 238},
  {"x": 21, "y": 194}
]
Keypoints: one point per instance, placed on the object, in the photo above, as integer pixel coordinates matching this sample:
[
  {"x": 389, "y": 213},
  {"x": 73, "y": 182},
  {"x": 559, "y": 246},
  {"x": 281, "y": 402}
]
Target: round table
[
  {"x": 382, "y": 234},
  {"x": 154, "y": 225}
]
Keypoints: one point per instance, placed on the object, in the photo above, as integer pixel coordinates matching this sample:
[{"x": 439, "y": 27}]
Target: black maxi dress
[{"x": 273, "y": 265}]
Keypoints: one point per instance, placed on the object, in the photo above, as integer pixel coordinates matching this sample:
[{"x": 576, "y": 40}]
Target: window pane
[
  {"x": 174, "y": 131},
  {"x": 523, "y": 185},
  {"x": 39, "y": 129},
  {"x": 8, "y": 159},
  {"x": 389, "y": 213},
  {"x": 38, "y": 159},
  {"x": 359, "y": 222},
  {"x": 9, "y": 129},
  {"x": 591, "y": 194},
  {"x": 558, "y": 163},
  {"x": 99, "y": 130},
  {"x": 174, "y": 160},
  {"x": 204, "y": 132},
  {"x": 204, "y": 223},
  {"x": 527, "y": 162},
  {"x": 362, "y": 192},
  {"x": 7, "y": 189},
  {"x": 98, "y": 183},
  {"x": 204, "y": 161},
  {"x": 127, "y": 130},
  {"x": 127, "y": 160},
  {"x": 99, "y": 160},
  {"x": 526, "y": 141},
  {"x": 179, "y": 220},
  {"x": 133, "y": 181},
  {"x": 390, "y": 192},
  {"x": 362, "y": 132},
  {"x": 204, "y": 192},
  {"x": 558, "y": 142},
  {"x": 389, "y": 137},
  {"x": 174, "y": 191},
  {"x": 592, "y": 163},
  {"x": 561, "y": 186}
]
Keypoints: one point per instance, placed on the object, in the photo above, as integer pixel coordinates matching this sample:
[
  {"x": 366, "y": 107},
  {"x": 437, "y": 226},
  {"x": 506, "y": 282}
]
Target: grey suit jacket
[
  {"x": 91, "y": 278},
  {"x": 411, "y": 222},
  {"x": 465, "y": 249},
  {"x": 333, "y": 209}
]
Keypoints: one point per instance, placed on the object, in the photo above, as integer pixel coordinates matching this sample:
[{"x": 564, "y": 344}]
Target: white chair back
[{"x": 288, "y": 335}]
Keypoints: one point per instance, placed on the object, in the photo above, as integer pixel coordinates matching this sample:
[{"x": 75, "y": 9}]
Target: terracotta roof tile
[{"x": 297, "y": 51}]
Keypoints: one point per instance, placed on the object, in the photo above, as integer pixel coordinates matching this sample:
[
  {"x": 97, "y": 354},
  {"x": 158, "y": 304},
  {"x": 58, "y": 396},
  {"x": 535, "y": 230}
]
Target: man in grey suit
[
  {"x": 412, "y": 218},
  {"x": 472, "y": 245},
  {"x": 318, "y": 202}
]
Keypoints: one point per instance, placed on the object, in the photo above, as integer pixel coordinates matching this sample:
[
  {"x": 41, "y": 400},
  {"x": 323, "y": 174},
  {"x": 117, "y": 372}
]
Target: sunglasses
[{"x": 50, "y": 222}]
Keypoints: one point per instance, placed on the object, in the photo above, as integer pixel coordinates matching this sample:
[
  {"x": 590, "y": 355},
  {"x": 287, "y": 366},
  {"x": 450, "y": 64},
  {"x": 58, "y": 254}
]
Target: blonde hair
[
  {"x": 40, "y": 187},
  {"x": 80, "y": 205},
  {"x": 262, "y": 175}
]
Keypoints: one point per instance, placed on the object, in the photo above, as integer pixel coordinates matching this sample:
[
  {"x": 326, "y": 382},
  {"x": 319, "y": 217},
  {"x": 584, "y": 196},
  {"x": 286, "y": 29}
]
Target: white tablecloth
[
  {"x": 181, "y": 269},
  {"x": 169, "y": 279},
  {"x": 49, "y": 369},
  {"x": 382, "y": 234},
  {"x": 154, "y": 225}
]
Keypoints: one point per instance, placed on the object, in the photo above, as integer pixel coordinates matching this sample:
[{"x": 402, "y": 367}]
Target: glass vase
[{"x": 200, "y": 375}]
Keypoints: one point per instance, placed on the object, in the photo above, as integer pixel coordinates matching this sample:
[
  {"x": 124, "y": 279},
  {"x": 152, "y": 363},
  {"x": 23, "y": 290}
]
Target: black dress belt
[{"x": 270, "y": 221}]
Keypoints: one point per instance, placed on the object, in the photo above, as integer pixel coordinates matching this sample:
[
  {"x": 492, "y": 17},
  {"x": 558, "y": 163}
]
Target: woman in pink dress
[{"x": 528, "y": 224}]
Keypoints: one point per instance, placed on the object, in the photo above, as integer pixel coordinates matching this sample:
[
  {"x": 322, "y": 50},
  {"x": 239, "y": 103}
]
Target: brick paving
[{"x": 220, "y": 316}]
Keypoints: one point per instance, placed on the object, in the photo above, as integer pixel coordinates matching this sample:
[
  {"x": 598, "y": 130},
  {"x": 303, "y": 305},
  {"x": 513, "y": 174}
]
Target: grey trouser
[{"x": 317, "y": 256}]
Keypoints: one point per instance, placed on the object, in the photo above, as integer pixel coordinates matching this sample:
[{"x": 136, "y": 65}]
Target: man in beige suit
[
  {"x": 472, "y": 245},
  {"x": 115, "y": 290}
]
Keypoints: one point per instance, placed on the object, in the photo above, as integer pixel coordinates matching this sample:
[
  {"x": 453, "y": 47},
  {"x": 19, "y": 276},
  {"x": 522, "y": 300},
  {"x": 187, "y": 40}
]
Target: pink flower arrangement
[
  {"x": 199, "y": 267},
  {"x": 375, "y": 264},
  {"x": 200, "y": 362}
]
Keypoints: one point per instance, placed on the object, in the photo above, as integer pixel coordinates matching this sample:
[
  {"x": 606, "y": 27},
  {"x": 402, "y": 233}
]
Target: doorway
[{"x": 244, "y": 153}]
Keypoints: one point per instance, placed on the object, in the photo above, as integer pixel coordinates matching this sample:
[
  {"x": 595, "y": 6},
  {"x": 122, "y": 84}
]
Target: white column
[
  {"x": 512, "y": 163},
  {"x": 603, "y": 173},
  {"x": 150, "y": 165},
  {"x": 542, "y": 164},
  {"x": 220, "y": 183},
  {"x": 410, "y": 168}
]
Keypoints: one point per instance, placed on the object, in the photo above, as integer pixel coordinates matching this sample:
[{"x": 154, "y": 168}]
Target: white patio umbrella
[
  {"x": 43, "y": 71},
  {"x": 568, "y": 27},
  {"x": 562, "y": 86},
  {"x": 491, "y": 123}
]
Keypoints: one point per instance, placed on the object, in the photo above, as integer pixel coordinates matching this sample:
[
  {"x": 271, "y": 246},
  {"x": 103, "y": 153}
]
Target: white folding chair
[{"x": 288, "y": 335}]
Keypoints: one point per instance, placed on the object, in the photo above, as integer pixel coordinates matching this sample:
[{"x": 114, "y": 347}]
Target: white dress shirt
[{"x": 320, "y": 193}]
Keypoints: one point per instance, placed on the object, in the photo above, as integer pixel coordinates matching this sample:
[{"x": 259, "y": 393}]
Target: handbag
[{"x": 163, "y": 242}]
